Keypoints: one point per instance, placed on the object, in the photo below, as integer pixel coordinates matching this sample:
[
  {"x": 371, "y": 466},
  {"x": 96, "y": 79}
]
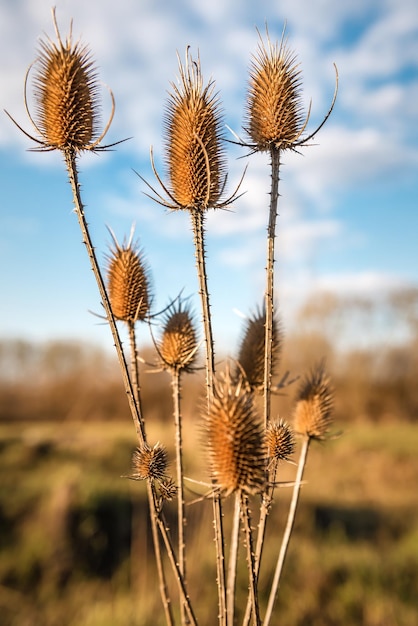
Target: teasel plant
[
  {"x": 250, "y": 359},
  {"x": 67, "y": 103},
  {"x": 196, "y": 168},
  {"x": 279, "y": 445},
  {"x": 312, "y": 420},
  {"x": 275, "y": 123},
  {"x": 177, "y": 350},
  {"x": 245, "y": 450},
  {"x": 236, "y": 449},
  {"x": 66, "y": 91},
  {"x": 130, "y": 294}
]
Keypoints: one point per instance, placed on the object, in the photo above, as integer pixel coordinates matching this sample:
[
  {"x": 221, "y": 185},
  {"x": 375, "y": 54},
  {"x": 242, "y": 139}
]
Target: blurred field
[
  {"x": 74, "y": 537},
  {"x": 68, "y": 556}
]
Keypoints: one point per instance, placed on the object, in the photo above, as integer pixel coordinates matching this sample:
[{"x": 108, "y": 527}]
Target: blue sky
[{"x": 348, "y": 212}]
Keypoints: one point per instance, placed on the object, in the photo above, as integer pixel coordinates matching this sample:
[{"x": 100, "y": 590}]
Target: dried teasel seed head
[
  {"x": 251, "y": 351},
  {"x": 234, "y": 438},
  {"x": 314, "y": 407},
  {"x": 274, "y": 115},
  {"x": 193, "y": 135},
  {"x": 128, "y": 281},
  {"x": 168, "y": 489},
  {"x": 178, "y": 345},
  {"x": 150, "y": 463},
  {"x": 280, "y": 441},
  {"x": 66, "y": 93}
]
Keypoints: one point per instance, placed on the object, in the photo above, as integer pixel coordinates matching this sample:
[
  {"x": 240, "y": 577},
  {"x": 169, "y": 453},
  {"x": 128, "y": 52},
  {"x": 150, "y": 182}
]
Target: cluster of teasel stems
[{"x": 244, "y": 449}]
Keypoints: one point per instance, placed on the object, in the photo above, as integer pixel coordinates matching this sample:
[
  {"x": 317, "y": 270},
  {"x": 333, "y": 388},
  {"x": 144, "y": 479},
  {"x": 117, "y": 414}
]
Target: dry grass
[{"x": 349, "y": 517}]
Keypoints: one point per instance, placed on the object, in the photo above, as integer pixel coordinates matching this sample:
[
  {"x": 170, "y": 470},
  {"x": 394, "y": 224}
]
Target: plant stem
[
  {"x": 288, "y": 530},
  {"x": 264, "y": 512},
  {"x": 135, "y": 367},
  {"x": 165, "y": 599},
  {"x": 173, "y": 561},
  {"x": 252, "y": 572},
  {"x": 131, "y": 391},
  {"x": 70, "y": 161},
  {"x": 198, "y": 219},
  {"x": 269, "y": 295},
  {"x": 220, "y": 556},
  {"x": 181, "y": 516},
  {"x": 199, "y": 241},
  {"x": 233, "y": 559}
]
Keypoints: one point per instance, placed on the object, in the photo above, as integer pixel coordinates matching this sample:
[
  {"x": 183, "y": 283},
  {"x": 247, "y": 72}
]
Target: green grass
[{"x": 65, "y": 531}]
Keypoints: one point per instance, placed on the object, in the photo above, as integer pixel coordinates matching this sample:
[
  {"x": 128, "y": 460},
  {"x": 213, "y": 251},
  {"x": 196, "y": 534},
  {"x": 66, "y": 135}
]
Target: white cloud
[
  {"x": 367, "y": 283},
  {"x": 346, "y": 158},
  {"x": 367, "y": 139}
]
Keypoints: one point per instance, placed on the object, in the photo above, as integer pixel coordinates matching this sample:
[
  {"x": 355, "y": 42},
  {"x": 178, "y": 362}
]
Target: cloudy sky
[{"x": 348, "y": 208}]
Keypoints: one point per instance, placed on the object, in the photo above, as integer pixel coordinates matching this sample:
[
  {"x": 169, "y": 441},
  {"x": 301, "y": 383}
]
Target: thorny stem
[
  {"x": 288, "y": 529},
  {"x": 181, "y": 516},
  {"x": 233, "y": 559},
  {"x": 134, "y": 366},
  {"x": 268, "y": 347},
  {"x": 264, "y": 512},
  {"x": 179, "y": 578},
  {"x": 252, "y": 571},
  {"x": 165, "y": 598},
  {"x": 131, "y": 392},
  {"x": 269, "y": 295},
  {"x": 220, "y": 556},
  {"x": 199, "y": 241},
  {"x": 70, "y": 161}
]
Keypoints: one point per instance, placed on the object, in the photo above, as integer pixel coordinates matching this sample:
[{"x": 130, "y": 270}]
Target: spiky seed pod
[
  {"x": 280, "y": 441},
  {"x": 67, "y": 95},
  {"x": 251, "y": 351},
  {"x": 178, "y": 345},
  {"x": 195, "y": 156},
  {"x": 274, "y": 114},
  {"x": 168, "y": 489},
  {"x": 235, "y": 440},
  {"x": 128, "y": 282},
  {"x": 314, "y": 407},
  {"x": 150, "y": 463}
]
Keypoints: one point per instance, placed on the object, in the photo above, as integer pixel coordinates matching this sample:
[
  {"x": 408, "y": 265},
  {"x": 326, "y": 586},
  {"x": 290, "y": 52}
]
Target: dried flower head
[
  {"x": 235, "y": 439},
  {"x": 168, "y": 489},
  {"x": 150, "y": 463},
  {"x": 274, "y": 108},
  {"x": 280, "y": 441},
  {"x": 195, "y": 156},
  {"x": 66, "y": 92},
  {"x": 178, "y": 345},
  {"x": 251, "y": 352},
  {"x": 314, "y": 407},
  {"x": 128, "y": 281}
]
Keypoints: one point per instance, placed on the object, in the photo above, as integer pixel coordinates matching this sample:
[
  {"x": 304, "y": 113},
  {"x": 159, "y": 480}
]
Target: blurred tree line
[{"x": 370, "y": 345}]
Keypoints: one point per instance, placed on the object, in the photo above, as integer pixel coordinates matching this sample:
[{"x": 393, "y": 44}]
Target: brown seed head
[
  {"x": 178, "y": 345},
  {"x": 274, "y": 109},
  {"x": 235, "y": 440},
  {"x": 66, "y": 94},
  {"x": 168, "y": 489},
  {"x": 195, "y": 155},
  {"x": 314, "y": 407},
  {"x": 150, "y": 463},
  {"x": 280, "y": 441},
  {"x": 251, "y": 352},
  {"x": 128, "y": 282}
]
